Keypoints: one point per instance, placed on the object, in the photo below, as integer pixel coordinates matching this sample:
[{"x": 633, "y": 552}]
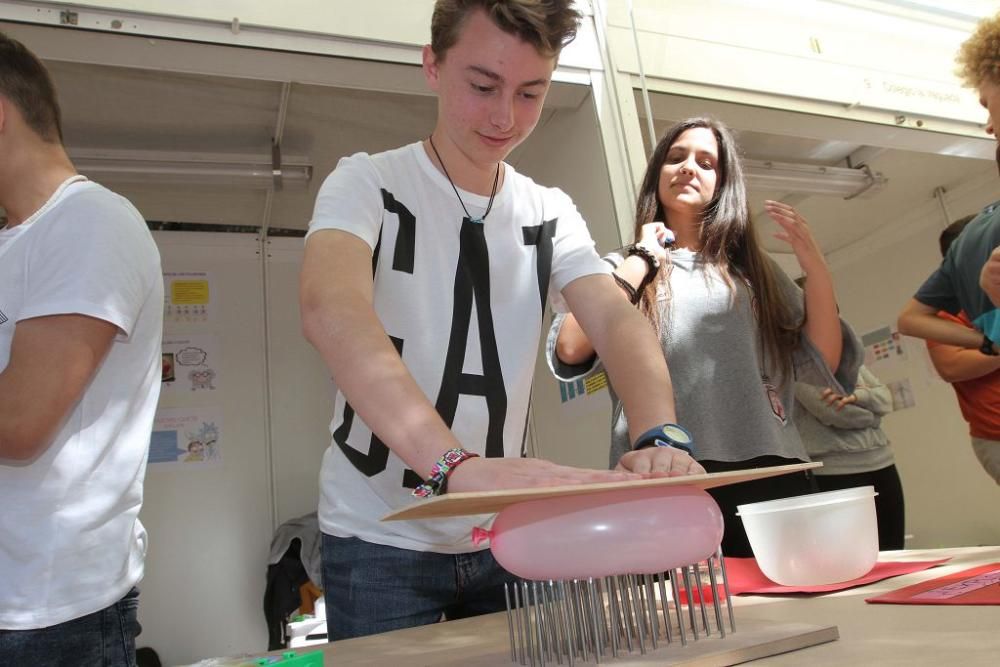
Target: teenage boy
[
  {"x": 975, "y": 377},
  {"x": 81, "y": 313},
  {"x": 426, "y": 273}
]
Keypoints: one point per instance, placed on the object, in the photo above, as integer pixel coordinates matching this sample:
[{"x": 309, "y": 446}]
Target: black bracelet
[
  {"x": 642, "y": 251},
  {"x": 652, "y": 265},
  {"x": 987, "y": 347},
  {"x": 630, "y": 292}
]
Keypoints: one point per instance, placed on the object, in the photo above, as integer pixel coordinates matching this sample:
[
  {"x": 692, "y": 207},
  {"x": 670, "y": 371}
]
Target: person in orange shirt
[{"x": 975, "y": 378}]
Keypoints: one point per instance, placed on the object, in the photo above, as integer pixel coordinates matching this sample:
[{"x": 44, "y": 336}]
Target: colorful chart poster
[
  {"x": 882, "y": 345},
  {"x": 583, "y": 387},
  {"x": 187, "y": 297},
  {"x": 186, "y": 436}
]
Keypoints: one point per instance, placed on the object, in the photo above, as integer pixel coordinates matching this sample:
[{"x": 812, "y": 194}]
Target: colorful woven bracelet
[{"x": 437, "y": 483}]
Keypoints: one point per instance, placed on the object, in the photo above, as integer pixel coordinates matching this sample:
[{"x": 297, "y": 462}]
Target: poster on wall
[
  {"x": 190, "y": 363},
  {"x": 186, "y": 436},
  {"x": 577, "y": 397},
  {"x": 902, "y": 394},
  {"x": 882, "y": 345},
  {"x": 187, "y": 297}
]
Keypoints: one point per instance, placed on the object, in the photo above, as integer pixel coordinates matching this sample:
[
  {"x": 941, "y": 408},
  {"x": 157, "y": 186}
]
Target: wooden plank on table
[
  {"x": 488, "y": 502},
  {"x": 483, "y": 641}
]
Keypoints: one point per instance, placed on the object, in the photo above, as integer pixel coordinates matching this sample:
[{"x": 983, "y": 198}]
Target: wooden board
[
  {"x": 488, "y": 502},
  {"x": 483, "y": 642}
]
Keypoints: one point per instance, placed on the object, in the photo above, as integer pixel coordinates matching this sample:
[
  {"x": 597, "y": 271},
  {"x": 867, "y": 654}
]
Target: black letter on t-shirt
[
  {"x": 402, "y": 255},
  {"x": 472, "y": 281},
  {"x": 377, "y": 457},
  {"x": 541, "y": 236}
]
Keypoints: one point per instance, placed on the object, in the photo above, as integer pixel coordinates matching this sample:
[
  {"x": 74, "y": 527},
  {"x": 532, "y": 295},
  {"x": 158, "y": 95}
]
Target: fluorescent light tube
[
  {"x": 814, "y": 179},
  {"x": 163, "y": 167}
]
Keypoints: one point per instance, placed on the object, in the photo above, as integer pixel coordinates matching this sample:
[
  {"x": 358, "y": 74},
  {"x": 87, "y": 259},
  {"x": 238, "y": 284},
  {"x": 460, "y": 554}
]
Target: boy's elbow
[
  {"x": 308, "y": 322},
  {"x": 904, "y": 323},
  {"x": 946, "y": 373},
  {"x": 313, "y": 306},
  {"x": 909, "y": 321}
]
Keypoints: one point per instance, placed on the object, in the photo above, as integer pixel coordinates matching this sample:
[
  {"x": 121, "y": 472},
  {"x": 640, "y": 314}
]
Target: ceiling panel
[
  {"x": 120, "y": 107},
  {"x": 129, "y": 109}
]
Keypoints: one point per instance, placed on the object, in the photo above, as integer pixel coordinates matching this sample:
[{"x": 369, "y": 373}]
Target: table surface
[{"x": 870, "y": 634}]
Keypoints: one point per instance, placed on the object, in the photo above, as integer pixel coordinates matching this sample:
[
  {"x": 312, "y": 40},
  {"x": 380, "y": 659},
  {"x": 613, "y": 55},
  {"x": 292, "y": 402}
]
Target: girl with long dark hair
[{"x": 736, "y": 331}]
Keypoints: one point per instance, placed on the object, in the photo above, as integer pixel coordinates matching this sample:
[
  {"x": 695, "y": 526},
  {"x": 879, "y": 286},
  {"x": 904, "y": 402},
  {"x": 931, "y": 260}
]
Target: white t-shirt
[
  {"x": 70, "y": 539},
  {"x": 443, "y": 282}
]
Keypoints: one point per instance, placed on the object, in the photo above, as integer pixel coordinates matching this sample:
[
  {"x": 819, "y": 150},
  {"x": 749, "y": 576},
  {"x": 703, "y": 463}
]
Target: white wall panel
[{"x": 209, "y": 524}]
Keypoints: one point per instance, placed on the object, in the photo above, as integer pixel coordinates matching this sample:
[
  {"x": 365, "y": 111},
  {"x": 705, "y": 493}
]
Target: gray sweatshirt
[
  {"x": 848, "y": 441},
  {"x": 713, "y": 350}
]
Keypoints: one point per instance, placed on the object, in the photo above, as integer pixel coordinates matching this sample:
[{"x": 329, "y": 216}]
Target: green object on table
[{"x": 292, "y": 659}]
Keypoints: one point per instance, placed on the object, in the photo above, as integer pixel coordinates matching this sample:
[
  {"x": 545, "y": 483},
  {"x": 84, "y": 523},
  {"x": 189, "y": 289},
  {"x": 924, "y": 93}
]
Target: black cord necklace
[{"x": 496, "y": 179}]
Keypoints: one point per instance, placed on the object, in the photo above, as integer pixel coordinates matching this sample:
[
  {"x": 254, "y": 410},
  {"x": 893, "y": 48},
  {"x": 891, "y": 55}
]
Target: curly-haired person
[{"x": 969, "y": 276}]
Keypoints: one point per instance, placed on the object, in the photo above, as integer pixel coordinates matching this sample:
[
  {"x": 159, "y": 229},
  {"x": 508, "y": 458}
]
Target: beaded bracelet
[
  {"x": 437, "y": 483},
  {"x": 652, "y": 265}
]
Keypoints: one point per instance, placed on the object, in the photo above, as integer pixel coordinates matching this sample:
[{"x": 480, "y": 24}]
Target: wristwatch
[
  {"x": 987, "y": 347},
  {"x": 666, "y": 435}
]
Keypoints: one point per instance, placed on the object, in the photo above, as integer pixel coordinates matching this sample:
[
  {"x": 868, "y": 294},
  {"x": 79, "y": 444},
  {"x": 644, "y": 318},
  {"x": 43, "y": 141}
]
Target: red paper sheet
[
  {"x": 977, "y": 585},
  {"x": 745, "y": 577}
]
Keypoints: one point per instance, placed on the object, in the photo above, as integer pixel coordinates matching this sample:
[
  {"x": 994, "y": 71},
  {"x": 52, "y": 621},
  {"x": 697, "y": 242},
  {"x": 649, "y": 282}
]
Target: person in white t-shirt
[
  {"x": 81, "y": 313},
  {"x": 426, "y": 275}
]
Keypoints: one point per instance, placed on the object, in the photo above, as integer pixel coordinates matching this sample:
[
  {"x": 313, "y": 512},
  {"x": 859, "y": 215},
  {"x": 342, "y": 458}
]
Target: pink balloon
[{"x": 632, "y": 531}]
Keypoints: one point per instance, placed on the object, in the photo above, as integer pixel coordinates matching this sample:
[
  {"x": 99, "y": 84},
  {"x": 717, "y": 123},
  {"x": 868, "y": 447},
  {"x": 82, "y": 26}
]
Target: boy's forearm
[
  {"x": 639, "y": 373},
  {"x": 921, "y": 321}
]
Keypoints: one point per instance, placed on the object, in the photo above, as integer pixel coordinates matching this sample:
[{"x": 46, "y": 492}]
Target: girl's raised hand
[{"x": 795, "y": 232}]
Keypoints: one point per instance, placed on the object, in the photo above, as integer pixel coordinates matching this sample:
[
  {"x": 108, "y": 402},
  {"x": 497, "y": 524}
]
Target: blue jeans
[
  {"x": 372, "y": 588},
  {"x": 105, "y": 638}
]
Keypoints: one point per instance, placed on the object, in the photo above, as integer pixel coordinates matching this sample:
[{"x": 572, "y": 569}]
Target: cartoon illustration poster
[
  {"x": 187, "y": 297},
  {"x": 190, "y": 363},
  {"x": 186, "y": 435}
]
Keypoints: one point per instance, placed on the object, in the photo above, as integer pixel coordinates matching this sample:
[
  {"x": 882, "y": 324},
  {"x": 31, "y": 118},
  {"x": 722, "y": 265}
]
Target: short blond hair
[{"x": 979, "y": 56}]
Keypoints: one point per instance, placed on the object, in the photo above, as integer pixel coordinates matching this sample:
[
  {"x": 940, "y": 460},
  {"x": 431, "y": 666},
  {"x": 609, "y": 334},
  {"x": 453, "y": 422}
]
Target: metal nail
[
  {"x": 677, "y": 606},
  {"x": 564, "y": 617},
  {"x": 725, "y": 586},
  {"x": 551, "y": 610},
  {"x": 637, "y": 612},
  {"x": 686, "y": 581},
  {"x": 701, "y": 599},
  {"x": 595, "y": 631},
  {"x": 539, "y": 625},
  {"x": 510, "y": 623},
  {"x": 665, "y": 606},
  {"x": 650, "y": 596},
  {"x": 713, "y": 582},
  {"x": 529, "y": 642}
]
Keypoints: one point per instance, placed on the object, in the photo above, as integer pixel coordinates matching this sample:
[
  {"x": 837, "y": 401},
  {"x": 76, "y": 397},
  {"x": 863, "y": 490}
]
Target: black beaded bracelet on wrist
[{"x": 652, "y": 266}]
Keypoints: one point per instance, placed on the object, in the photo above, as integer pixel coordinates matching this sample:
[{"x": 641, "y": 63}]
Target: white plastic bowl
[{"x": 816, "y": 539}]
